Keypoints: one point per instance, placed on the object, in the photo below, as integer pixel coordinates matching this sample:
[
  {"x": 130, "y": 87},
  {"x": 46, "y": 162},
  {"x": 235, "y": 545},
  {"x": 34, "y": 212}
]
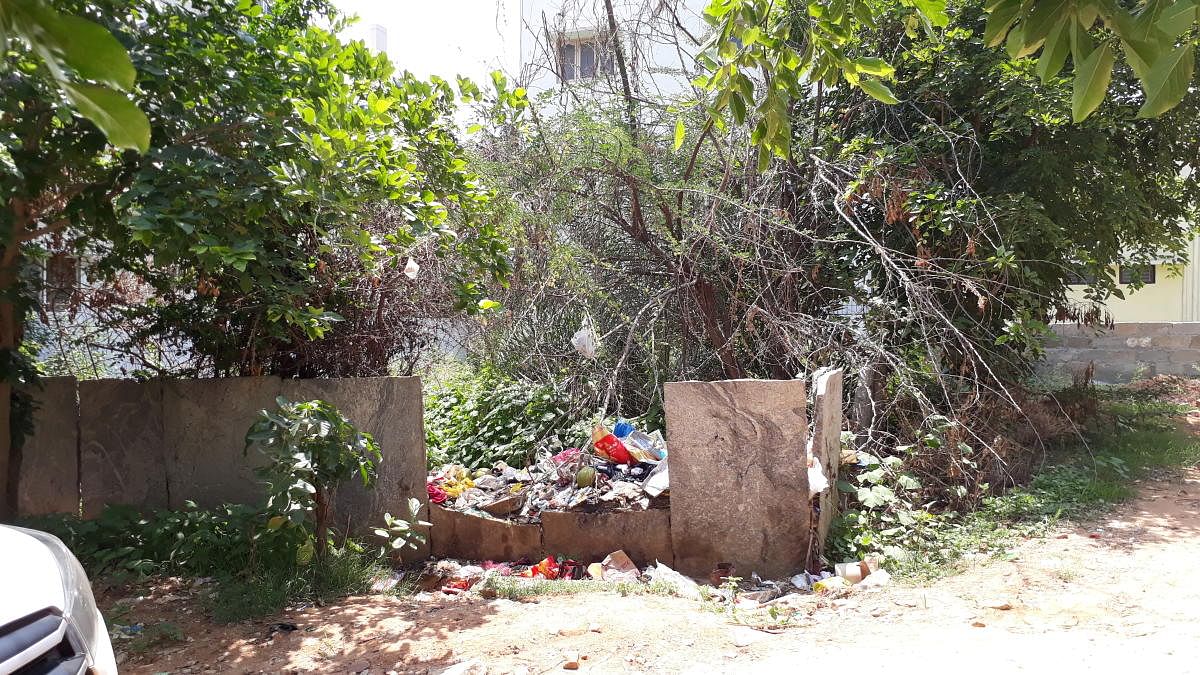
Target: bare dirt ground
[{"x": 1119, "y": 595}]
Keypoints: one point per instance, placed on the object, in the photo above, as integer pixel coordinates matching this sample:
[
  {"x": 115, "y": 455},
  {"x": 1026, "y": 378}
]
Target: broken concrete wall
[
  {"x": 826, "y": 445},
  {"x": 645, "y": 536},
  {"x": 471, "y": 537},
  {"x": 739, "y": 476},
  {"x": 49, "y": 473}
]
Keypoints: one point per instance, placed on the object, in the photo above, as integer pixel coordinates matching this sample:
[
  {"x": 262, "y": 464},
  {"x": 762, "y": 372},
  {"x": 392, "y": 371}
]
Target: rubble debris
[
  {"x": 721, "y": 573},
  {"x": 387, "y": 582},
  {"x": 850, "y": 571},
  {"x": 281, "y": 627},
  {"x": 831, "y": 585},
  {"x": 618, "y": 567},
  {"x": 684, "y": 587},
  {"x": 760, "y": 597},
  {"x": 876, "y": 579},
  {"x": 624, "y": 469}
]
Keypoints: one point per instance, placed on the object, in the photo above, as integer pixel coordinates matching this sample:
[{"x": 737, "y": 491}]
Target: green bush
[
  {"x": 225, "y": 541},
  {"x": 477, "y": 421},
  {"x": 1133, "y": 434},
  {"x": 258, "y": 569}
]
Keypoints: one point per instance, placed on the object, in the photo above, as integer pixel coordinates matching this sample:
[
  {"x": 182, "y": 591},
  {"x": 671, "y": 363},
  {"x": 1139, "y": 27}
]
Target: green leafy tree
[
  {"x": 89, "y": 65},
  {"x": 311, "y": 448},
  {"x": 798, "y": 46},
  {"x": 283, "y": 166},
  {"x": 78, "y": 60}
]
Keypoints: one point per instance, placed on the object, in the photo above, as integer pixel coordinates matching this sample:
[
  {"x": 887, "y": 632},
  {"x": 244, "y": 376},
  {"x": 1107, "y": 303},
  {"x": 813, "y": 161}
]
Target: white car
[{"x": 49, "y": 622}]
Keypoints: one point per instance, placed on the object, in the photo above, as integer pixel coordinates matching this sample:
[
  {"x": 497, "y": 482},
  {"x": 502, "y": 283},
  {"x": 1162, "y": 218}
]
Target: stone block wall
[
  {"x": 1127, "y": 351},
  {"x": 739, "y": 476},
  {"x": 161, "y": 443}
]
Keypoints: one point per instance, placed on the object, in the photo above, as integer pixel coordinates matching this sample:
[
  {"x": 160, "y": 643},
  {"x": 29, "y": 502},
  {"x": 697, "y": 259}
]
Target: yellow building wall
[{"x": 1159, "y": 301}]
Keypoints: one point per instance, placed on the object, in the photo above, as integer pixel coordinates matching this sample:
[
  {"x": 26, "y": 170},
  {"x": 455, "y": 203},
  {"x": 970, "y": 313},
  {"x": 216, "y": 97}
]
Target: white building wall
[
  {"x": 660, "y": 39},
  {"x": 446, "y": 38}
]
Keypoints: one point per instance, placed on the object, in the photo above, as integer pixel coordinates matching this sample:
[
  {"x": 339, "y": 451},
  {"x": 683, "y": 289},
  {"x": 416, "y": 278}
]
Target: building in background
[
  {"x": 446, "y": 38},
  {"x": 565, "y": 43},
  {"x": 543, "y": 45},
  {"x": 1171, "y": 291}
]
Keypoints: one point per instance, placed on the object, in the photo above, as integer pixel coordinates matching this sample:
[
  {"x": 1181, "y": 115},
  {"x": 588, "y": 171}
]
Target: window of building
[
  {"x": 584, "y": 57},
  {"x": 1128, "y": 273},
  {"x": 62, "y": 280}
]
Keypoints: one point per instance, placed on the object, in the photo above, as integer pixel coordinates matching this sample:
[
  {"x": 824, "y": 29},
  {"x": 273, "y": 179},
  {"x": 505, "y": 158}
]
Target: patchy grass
[
  {"x": 517, "y": 588},
  {"x": 344, "y": 572},
  {"x": 1136, "y": 435},
  {"x": 155, "y": 636}
]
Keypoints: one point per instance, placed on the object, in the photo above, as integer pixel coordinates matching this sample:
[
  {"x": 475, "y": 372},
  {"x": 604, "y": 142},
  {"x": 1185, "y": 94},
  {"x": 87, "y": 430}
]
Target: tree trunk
[
  {"x": 321, "y": 522},
  {"x": 717, "y": 329},
  {"x": 8, "y": 357}
]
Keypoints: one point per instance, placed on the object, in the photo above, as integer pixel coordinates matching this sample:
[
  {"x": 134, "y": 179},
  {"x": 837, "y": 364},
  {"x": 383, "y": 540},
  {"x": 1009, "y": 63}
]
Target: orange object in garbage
[
  {"x": 548, "y": 569},
  {"x": 610, "y": 447}
]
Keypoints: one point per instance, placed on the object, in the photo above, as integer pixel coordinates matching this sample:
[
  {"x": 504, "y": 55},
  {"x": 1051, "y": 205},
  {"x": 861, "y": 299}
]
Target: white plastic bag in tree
[
  {"x": 411, "y": 269},
  {"x": 584, "y": 340}
]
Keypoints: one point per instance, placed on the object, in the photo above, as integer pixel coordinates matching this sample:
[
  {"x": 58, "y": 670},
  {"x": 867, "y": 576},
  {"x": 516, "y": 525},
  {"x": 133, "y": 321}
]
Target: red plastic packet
[
  {"x": 548, "y": 569},
  {"x": 436, "y": 494},
  {"x": 610, "y": 447}
]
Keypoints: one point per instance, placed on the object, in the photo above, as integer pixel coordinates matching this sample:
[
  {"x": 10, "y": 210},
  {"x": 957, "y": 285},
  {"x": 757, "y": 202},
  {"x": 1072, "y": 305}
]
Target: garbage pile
[
  {"x": 625, "y": 469},
  {"x": 450, "y": 577}
]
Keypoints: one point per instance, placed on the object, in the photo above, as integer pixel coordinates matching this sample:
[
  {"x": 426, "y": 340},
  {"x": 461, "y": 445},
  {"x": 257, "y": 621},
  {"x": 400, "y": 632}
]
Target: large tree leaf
[
  {"x": 116, "y": 116},
  {"x": 1018, "y": 45},
  {"x": 934, "y": 11},
  {"x": 65, "y": 42},
  {"x": 1167, "y": 82},
  {"x": 92, "y": 51},
  {"x": 878, "y": 91},
  {"x": 1081, "y": 44},
  {"x": 1044, "y": 17},
  {"x": 1178, "y": 18},
  {"x": 999, "y": 21},
  {"x": 1140, "y": 55},
  {"x": 873, "y": 65},
  {"x": 1091, "y": 82},
  {"x": 1054, "y": 52}
]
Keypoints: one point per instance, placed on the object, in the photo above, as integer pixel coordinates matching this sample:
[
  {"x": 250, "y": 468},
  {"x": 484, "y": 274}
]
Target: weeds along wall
[{"x": 162, "y": 443}]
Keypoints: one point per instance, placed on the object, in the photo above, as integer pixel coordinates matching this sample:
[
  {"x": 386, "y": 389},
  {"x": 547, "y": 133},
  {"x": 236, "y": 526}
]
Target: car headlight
[{"x": 85, "y": 624}]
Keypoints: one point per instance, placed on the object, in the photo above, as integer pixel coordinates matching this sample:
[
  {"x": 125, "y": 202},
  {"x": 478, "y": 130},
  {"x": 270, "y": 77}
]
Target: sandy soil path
[{"x": 1120, "y": 596}]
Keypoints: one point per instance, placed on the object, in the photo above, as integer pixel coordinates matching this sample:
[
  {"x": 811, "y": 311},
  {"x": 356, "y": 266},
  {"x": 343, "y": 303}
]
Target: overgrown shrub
[
  {"x": 887, "y": 508},
  {"x": 479, "y": 420},
  {"x": 258, "y": 569}
]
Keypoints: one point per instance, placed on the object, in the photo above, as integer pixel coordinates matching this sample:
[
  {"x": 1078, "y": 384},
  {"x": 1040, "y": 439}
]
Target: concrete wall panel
[
  {"x": 121, "y": 445},
  {"x": 49, "y": 480},
  {"x": 739, "y": 476},
  {"x": 204, "y": 429}
]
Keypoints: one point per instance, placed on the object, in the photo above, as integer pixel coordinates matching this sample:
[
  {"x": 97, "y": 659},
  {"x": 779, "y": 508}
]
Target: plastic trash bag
[
  {"x": 585, "y": 341},
  {"x": 817, "y": 482}
]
